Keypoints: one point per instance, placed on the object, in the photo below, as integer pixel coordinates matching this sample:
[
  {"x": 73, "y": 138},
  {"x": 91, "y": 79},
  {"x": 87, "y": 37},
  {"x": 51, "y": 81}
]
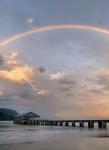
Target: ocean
[{"x": 11, "y": 133}]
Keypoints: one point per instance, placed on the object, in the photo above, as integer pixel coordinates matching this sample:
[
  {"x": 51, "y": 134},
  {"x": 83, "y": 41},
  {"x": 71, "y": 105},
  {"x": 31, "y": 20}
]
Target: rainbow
[{"x": 54, "y": 27}]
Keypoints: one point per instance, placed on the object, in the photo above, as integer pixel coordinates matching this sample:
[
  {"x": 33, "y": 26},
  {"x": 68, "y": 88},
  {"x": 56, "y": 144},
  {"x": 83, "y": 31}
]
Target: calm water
[{"x": 10, "y": 133}]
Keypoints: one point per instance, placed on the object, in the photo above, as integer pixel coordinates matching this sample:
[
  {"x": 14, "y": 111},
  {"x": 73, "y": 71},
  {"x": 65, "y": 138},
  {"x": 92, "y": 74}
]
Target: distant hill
[{"x": 7, "y": 114}]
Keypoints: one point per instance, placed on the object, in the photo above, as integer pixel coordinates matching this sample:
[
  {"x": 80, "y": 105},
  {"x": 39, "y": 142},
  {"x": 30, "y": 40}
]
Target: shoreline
[
  {"x": 59, "y": 137},
  {"x": 66, "y": 142}
]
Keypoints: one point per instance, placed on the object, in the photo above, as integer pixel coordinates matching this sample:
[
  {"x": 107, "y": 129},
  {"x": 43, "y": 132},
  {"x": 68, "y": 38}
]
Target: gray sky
[{"x": 57, "y": 73}]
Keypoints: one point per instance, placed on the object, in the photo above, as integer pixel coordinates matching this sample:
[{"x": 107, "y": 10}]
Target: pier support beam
[
  {"x": 66, "y": 123},
  {"x": 49, "y": 123},
  {"x": 90, "y": 124},
  {"x": 42, "y": 122},
  {"x": 34, "y": 122},
  {"x": 37, "y": 122},
  {"x": 81, "y": 124},
  {"x": 102, "y": 124},
  {"x": 56, "y": 123},
  {"x": 60, "y": 123},
  {"x": 46, "y": 123},
  {"x": 73, "y": 124}
]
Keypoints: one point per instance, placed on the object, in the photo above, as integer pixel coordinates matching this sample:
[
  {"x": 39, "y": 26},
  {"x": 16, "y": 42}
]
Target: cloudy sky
[{"x": 57, "y": 73}]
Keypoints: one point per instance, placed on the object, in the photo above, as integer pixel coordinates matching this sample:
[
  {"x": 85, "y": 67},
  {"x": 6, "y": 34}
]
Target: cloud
[
  {"x": 66, "y": 81},
  {"x": 58, "y": 75},
  {"x": 15, "y": 70},
  {"x": 1, "y": 60},
  {"x": 103, "y": 80},
  {"x": 16, "y": 77},
  {"x": 20, "y": 80},
  {"x": 64, "y": 73},
  {"x": 42, "y": 70},
  {"x": 99, "y": 84},
  {"x": 42, "y": 92},
  {"x": 18, "y": 74},
  {"x": 30, "y": 20},
  {"x": 64, "y": 89},
  {"x": 58, "y": 94},
  {"x": 1, "y": 89}
]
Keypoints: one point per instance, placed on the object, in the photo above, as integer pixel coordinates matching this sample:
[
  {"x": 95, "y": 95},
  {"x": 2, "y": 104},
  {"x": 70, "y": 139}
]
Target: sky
[{"x": 60, "y": 73}]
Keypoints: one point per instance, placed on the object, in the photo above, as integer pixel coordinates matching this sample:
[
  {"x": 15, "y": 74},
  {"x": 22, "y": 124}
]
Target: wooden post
[
  {"x": 46, "y": 123},
  {"x": 66, "y": 123},
  {"x": 37, "y": 122},
  {"x": 104, "y": 124},
  {"x": 100, "y": 124},
  {"x": 34, "y": 122},
  {"x": 55, "y": 123},
  {"x": 90, "y": 124},
  {"x": 73, "y": 123},
  {"x": 51, "y": 123},
  {"x": 60, "y": 123},
  {"x": 81, "y": 124},
  {"x": 41, "y": 123}
]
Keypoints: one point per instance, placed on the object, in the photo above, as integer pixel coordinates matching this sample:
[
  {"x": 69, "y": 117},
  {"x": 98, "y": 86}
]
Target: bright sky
[{"x": 57, "y": 73}]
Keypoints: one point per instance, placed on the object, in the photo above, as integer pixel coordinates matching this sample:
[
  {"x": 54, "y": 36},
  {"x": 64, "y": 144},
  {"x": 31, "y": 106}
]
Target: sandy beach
[{"x": 64, "y": 143}]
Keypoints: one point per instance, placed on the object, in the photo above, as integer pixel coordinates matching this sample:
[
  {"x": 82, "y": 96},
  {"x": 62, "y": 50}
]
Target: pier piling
[
  {"x": 90, "y": 124},
  {"x": 66, "y": 123},
  {"x": 73, "y": 123},
  {"x": 81, "y": 124},
  {"x": 102, "y": 124}
]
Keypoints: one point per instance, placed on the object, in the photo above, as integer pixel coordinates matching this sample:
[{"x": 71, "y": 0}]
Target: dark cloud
[
  {"x": 1, "y": 60},
  {"x": 65, "y": 89},
  {"x": 42, "y": 69},
  {"x": 66, "y": 81},
  {"x": 70, "y": 95}
]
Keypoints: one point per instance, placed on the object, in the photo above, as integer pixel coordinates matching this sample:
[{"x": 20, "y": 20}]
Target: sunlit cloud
[
  {"x": 1, "y": 89},
  {"x": 43, "y": 92},
  {"x": 57, "y": 76},
  {"x": 18, "y": 74},
  {"x": 15, "y": 70},
  {"x": 104, "y": 73},
  {"x": 62, "y": 74}
]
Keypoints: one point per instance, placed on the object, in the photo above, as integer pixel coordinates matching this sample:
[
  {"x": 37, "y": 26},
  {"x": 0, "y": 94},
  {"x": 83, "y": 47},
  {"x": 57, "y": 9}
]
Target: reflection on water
[{"x": 10, "y": 133}]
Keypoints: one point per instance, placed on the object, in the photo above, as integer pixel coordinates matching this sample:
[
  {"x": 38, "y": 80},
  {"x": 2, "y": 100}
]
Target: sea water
[{"x": 12, "y": 133}]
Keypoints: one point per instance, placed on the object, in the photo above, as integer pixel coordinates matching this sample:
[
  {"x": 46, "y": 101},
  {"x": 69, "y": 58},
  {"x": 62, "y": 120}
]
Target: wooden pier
[
  {"x": 31, "y": 118},
  {"x": 90, "y": 123}
]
